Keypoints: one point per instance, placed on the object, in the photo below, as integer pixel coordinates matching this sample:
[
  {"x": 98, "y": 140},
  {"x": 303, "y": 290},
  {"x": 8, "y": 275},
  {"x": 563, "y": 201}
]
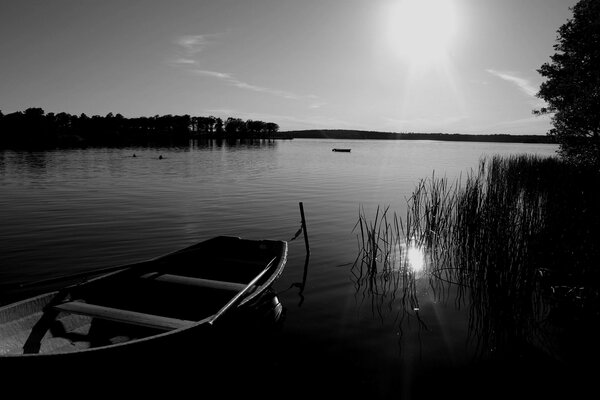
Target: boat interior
[{"x": 181, "y": 290}]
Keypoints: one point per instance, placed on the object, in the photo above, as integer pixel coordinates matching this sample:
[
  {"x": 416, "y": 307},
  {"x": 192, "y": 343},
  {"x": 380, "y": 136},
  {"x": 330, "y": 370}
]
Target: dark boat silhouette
[
  {"x": 142, "y": 307},
  {"x": 342, "y": 150}
]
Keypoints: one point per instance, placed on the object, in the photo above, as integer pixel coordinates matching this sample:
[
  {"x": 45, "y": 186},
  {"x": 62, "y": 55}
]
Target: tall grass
[
  {"x": 381, "y": 271},
  {"x": 519, "y": 239}
]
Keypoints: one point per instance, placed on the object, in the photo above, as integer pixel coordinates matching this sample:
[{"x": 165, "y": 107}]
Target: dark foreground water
[{"x": 68, "y": 211}]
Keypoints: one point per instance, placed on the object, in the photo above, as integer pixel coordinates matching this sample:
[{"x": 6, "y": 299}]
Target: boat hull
[{"x": 71, "y": 337}]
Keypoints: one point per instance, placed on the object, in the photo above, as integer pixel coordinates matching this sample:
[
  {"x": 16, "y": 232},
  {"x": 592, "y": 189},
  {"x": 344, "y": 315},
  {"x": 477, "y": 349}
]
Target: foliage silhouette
[
  {"x": 572, "y": 85},
  {"x": 33, "y": 128}
]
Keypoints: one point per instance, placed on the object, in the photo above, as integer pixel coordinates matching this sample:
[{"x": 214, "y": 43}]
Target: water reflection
[
  {"x": 232, "y": 144},
  {"x": 414, "y": 256},
  {"x": 300, "y": 285},
  {"x": 30, "y": 163},
  {"x": 504, "y": 317},
  {"x": 387, "y": 273},
  {"x": 484, "y": 247}
]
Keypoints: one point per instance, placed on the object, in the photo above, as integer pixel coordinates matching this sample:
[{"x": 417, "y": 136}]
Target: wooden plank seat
[
  {"x": 243, "y": 261},
  {"x": 195, "y": 282},
  {"x": 124, "y": 316}
]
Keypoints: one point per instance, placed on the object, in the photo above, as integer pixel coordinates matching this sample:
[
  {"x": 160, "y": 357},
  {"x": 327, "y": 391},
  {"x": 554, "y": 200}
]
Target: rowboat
[
  {"x": 342, "y": 150},
  {"x": 146, "y": 305}
]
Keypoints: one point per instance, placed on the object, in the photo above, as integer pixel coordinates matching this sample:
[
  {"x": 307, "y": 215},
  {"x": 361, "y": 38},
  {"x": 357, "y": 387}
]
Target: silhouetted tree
[
  {"x": 219, "y": 126},
  {"x": 272, "y": 128},
  {"x": 205, "y": 125},
  {"x": 255, "y": 127},
  {"x": 572, "y": 86},
  {"x": 210, "y": 124},
  {"x": 235, "y": 126}
]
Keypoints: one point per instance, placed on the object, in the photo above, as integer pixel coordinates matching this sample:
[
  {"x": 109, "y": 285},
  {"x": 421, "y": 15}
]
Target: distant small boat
[
  {"x": 342, "y": 150},
  {"x": 164, "y": 300}
]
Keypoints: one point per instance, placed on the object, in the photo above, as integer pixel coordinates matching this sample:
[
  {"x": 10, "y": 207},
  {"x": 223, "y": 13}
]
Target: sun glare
[
  {"x": 421, "y": 31},
  {"x": 415, "y": 257},
  {"x": 410, "y": 256}
]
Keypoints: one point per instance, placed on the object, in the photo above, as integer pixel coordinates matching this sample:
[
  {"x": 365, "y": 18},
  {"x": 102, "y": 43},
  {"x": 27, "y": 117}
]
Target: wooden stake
[{"x": 304, "y": 228}]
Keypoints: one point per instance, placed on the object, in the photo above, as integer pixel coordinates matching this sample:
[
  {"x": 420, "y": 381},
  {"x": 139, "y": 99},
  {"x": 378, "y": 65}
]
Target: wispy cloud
[
  {"x": 233, "y": 81},
  {"x": 261, "y": 89},
  {"x": 316, "y": 105},
  {"x": 194, "y": 44},
  {"x": 190, "y": 46},
  {"x": 189, "y": 52},
  {"x": 184, "y": 61},
  {"x": 525, "y": 85},
  {"x": 213, "y": 74}
]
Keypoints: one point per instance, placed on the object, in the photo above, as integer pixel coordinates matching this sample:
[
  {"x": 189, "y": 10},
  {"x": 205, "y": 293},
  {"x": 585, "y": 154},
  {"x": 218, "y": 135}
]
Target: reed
[
  {"x": 381, "y": 271},
  {"x": 517, "y": 238}
]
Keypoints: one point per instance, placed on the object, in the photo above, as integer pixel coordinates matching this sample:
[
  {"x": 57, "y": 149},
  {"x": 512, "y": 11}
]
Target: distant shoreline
[{"x": 450, "y": 137}]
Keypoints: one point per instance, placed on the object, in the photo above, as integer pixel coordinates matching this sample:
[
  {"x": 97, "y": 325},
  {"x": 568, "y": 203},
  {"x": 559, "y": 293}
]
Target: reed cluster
[
  {"x": 382, "y": 270},
  {"x": 518, "y": 239}
]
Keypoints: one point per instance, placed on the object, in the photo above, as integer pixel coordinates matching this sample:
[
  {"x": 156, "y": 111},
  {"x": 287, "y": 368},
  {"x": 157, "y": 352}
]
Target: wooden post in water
[{"x": 304, "y": 228}]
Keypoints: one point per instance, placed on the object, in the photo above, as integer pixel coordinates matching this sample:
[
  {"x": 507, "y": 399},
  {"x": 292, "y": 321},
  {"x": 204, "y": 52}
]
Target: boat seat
[
  {"x": 124, "y": 316},
  {"x": 221, "y": 260},
  {"x": 195, "y": 282}
]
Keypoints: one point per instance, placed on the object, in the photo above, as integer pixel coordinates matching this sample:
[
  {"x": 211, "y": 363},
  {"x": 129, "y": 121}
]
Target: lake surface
[{"x": 68, "y": 211}]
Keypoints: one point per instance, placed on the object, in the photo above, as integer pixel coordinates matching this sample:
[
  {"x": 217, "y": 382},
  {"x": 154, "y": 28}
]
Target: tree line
[
  {"x": 452, "y": 137},
  {"x": 33, "y": 128}
]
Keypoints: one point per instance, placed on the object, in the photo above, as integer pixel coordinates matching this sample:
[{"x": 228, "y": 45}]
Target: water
[{"x": 68, "y": 211}]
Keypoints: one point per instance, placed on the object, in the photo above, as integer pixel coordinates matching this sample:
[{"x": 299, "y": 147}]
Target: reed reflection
[
  {"x": 387, "y": 268},
  {"x": 490, "y": 241}
]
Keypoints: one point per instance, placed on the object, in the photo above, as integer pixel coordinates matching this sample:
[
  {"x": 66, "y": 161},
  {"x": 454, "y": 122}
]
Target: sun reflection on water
[
  {"x": 408, "y": 256},
  {"x": 415, "y": 257}
]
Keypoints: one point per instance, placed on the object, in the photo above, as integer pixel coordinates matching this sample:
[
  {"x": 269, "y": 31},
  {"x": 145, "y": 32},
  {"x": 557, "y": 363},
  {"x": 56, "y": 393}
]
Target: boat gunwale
[{"x": 277, "y": 270}]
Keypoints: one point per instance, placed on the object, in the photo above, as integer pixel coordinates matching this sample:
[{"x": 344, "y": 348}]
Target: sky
[{"x": 452, "y": 66}]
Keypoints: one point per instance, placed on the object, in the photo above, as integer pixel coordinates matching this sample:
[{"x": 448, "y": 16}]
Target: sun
[{"x": 421, "y": 31}]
